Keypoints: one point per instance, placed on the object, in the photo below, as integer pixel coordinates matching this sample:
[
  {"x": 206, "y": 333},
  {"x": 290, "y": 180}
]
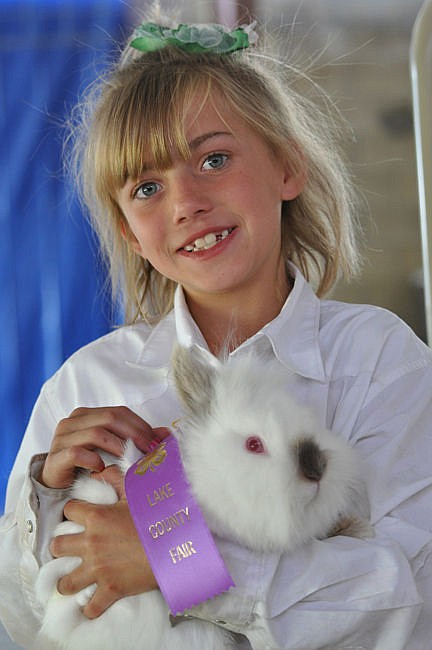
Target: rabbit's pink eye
[{"x": 255, "y": 445}]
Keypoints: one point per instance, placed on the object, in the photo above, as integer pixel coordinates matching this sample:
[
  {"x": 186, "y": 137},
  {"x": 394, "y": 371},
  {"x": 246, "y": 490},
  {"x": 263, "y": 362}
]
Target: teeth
[{"x": 208, "y": 241}]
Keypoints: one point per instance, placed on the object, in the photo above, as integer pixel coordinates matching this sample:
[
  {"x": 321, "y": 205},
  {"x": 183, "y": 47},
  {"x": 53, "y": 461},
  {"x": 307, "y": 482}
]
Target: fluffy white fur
[{"x": 270, "y": 501}]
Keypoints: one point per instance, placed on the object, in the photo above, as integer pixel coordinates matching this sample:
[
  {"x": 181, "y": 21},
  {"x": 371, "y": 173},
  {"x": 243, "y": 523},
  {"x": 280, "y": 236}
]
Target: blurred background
[{"x": 52, "y": 297}]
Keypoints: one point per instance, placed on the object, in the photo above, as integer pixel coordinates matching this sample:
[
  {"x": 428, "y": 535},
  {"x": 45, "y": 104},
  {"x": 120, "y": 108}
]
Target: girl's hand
[
  {"x": 111, "y": 552},
  {"x": 77, "y": 438}
]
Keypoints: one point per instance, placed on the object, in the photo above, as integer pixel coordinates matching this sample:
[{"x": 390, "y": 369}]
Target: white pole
[{"x": 421, "y": 78}]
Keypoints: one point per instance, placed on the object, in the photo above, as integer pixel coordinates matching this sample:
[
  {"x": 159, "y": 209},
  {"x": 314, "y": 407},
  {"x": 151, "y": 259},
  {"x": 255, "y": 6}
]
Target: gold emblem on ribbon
[{"x": 152, "y": 460}]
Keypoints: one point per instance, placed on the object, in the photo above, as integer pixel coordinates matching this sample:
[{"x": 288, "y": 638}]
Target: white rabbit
[{"x": 264, "y": 474}]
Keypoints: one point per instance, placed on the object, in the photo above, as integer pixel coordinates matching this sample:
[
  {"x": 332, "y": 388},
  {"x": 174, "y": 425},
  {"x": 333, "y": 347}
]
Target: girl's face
[{"x": 212, "y": 222}]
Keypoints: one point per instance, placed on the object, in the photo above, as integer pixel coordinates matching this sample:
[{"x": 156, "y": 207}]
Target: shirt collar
[
  {"x": 188, "y": 332},
  {"x": 293, "y": 335}
]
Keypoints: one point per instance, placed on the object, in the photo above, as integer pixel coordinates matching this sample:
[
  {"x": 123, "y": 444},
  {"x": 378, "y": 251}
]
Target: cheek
[
  {"x": 145, "y": 239},
  {"x": 129, "y": 234},
  {"x": 152, "y": 246},
  {"x": 135, "y": 244}
]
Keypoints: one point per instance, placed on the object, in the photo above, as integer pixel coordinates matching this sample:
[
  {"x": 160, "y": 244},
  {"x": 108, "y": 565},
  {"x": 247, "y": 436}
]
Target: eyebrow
[{"x": 196, "y": 142}]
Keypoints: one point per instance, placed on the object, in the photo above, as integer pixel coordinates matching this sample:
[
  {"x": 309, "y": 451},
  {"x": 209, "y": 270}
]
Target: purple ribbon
[{"x": 179, "y": 546}]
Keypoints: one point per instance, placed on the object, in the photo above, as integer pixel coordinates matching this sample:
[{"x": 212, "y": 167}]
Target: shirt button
[{"x": 29, "y": 526}]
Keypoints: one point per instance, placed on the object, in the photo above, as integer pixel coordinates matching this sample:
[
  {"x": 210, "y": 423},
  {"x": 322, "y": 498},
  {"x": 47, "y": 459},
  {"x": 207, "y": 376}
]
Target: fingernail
[{"x": 162, "y": 432}]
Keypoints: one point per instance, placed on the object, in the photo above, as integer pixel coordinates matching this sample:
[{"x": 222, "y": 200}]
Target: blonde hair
[{"x": 134, "y": 116}]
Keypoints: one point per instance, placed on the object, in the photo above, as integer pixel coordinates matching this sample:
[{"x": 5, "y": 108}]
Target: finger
[
  {"x": 147, "y": 438},
  {"x": 66, "y": 545},
  {"x": 158, "y": 434},
  {"x": 100, "y": 427},
  {"x": 60, "y": 467},
  {"x": 74, "y": 582},
  {"x": 114, "y": 476},
  {"x": 161, "y": 432},
  {"x": 110, "y": 590},
  {"x": 81, "y": 511},
  {"x": 79, "y": 457},
  {"x": 119, "y": 420},
  {"x": 103, "y": 598}
]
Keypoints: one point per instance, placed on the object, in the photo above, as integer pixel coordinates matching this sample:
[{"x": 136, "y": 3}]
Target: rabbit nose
[{"x": 312, "y": 460}]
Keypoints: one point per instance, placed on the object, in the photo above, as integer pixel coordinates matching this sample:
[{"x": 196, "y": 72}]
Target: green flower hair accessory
[{"x": 212, "y": 38}]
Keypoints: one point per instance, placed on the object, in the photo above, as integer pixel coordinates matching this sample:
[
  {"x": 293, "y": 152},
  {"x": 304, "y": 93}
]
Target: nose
[
  {"x": 312, "y": 460},
  {"x": 188, "y": 196}
]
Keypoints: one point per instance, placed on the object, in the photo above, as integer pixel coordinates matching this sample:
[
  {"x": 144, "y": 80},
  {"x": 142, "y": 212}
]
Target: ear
[
  {"x": 129, "y": 237},
  {"x": 194, "y": 379},
  {"x": 295, "y": 173},
  {"x": 293, "y": 183}
]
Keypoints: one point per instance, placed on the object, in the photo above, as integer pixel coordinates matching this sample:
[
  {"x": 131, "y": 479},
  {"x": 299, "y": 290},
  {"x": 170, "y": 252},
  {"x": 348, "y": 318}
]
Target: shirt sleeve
[
  {"x": 354, "y": 593},
  {"x": 32, "y": 511}
]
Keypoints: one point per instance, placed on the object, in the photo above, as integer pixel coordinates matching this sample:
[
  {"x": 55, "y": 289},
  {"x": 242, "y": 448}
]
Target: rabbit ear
[{"x": 194, "y": 374}]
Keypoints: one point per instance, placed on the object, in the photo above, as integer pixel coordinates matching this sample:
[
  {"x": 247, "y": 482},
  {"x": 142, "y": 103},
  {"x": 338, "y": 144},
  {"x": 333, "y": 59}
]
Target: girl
[{"x": 220, "y": 200}]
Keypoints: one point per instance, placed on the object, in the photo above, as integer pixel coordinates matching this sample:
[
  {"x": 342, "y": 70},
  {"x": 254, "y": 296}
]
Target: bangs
[
  {"x": 144, "y": 128},
  {"x": 139, "y": 121}
]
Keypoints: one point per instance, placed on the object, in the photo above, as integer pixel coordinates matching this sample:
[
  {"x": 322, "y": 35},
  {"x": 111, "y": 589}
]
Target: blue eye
[
  {"x": 147, "y": 190},
  {"x": 215, "y": 161}
]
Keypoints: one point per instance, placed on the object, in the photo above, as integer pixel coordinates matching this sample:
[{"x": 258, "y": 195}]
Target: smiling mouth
[{"x": 208, "y": 241}]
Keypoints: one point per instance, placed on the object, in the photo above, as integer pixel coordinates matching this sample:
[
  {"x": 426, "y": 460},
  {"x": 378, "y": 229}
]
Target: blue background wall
[{"x": 51, "y": 284}]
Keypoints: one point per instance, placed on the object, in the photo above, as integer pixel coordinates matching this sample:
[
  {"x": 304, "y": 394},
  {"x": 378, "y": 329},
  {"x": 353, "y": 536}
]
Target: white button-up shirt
[{"x": 368, "y": 378}]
